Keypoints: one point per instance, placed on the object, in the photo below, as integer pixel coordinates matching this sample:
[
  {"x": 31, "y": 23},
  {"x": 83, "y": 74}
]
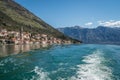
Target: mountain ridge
[{"x": 101, "y": 34}]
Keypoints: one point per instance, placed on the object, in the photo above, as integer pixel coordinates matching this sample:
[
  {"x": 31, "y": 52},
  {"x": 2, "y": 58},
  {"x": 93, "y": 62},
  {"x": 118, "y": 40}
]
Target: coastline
[{"x": 18, "y": 38}]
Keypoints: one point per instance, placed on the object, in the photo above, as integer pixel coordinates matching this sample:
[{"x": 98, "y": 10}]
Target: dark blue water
[{"x": 69, "y": 62}]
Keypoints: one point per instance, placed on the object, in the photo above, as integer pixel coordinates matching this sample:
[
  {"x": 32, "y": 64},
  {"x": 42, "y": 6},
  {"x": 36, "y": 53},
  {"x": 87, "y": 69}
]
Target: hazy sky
[{"x": 67, "y": 13}]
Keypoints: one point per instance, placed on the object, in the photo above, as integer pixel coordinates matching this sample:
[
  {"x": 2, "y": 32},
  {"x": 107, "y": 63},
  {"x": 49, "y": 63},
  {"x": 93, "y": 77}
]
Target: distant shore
[{"x": 18, "y": 38}]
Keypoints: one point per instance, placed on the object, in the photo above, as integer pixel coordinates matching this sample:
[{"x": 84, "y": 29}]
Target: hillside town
[{"x": 18, "y": 37}]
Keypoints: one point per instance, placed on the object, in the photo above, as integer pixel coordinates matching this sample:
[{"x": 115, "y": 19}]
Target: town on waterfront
[{"x": 21, "y": 37}]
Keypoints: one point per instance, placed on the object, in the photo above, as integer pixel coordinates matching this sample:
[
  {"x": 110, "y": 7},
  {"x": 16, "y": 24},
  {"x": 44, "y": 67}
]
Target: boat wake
[
  {"x": 40, "y": 74},
  {"x": 93, "y": 68}
]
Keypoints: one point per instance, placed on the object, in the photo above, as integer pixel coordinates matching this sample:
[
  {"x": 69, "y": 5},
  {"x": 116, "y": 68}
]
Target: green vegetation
[{"x": 13, "y": 17}]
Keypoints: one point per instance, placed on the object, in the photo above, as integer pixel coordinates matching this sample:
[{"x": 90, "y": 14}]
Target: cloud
[
  {"x": 89, "y": 24},
  {"x": 110, "y": 23}
]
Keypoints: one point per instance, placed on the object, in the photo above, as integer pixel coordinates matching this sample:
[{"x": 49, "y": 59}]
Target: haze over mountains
[
  {"x": 13, "y": 16},
  {"x": 101, "y": 34}
]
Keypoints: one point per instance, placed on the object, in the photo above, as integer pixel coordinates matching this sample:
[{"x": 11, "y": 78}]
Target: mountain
[
  {"x": 13, "y": 16},
  {"x": 100, "y": 34}
]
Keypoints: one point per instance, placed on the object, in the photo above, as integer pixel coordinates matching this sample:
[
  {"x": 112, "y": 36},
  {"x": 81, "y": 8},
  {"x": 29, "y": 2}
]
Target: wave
[
  {"x": 40, "y": 74},
  {"x": 93, "y": 68}
]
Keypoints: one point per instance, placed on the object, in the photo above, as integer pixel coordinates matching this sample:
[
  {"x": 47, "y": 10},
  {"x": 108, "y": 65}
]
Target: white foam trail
[
  {"x": 93, "y": 68},
  {"x": 40, "y": 75}
]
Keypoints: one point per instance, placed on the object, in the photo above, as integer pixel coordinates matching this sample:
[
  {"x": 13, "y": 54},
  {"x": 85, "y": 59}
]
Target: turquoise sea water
[{"x": 68, "y": 62}]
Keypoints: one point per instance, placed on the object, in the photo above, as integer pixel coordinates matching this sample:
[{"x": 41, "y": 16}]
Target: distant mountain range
[
  {"x": 101, "y": 34},
  {"x": 13, "y": 16}
]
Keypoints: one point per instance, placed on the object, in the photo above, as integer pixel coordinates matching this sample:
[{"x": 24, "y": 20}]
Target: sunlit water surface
[{"x": 66, "y": 62}]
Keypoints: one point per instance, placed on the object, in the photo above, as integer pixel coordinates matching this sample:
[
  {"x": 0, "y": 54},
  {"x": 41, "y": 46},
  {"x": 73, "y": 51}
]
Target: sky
[{"x": 68, "y": 13}]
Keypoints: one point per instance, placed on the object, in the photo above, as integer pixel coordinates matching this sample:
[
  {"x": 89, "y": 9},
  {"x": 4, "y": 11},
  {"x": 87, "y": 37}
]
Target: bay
[{"x": 62, "y": 62}]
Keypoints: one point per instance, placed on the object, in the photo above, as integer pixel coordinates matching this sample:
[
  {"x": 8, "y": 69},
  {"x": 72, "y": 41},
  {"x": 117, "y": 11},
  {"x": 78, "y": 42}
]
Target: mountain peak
[{"x": 77, "y": 26}]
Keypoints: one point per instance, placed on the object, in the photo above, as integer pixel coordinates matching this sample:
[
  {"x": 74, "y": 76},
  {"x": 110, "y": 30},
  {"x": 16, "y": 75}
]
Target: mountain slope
[
  {"x": 13, "y": 17},
  {"x": 100, "y": 34}
]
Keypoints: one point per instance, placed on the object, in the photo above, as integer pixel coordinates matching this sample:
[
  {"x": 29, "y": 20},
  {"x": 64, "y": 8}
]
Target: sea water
[{"x": 63, "y": 62}]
